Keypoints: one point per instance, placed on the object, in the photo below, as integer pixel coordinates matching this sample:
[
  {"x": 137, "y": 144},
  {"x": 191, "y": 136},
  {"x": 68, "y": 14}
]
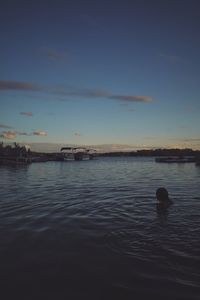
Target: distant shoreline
[
  {"x": 137, "y": 153},
  {"x": 155, "y": 153}
]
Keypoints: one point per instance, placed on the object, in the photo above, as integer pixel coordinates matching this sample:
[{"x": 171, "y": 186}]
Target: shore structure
[
  {"x": 22, "y": 155},
  {"x": 14, "y": 155}
]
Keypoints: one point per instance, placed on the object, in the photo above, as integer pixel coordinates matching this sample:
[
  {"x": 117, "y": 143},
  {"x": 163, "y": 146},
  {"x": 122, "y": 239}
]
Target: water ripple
[{"x": 99, "y": 220}]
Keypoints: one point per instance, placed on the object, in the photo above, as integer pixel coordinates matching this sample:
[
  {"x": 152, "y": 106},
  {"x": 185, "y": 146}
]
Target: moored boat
[
  {"x": 67, "y": 153},
  {"x": 81, "y": 153},
  {"x": 77, "y": 153}
]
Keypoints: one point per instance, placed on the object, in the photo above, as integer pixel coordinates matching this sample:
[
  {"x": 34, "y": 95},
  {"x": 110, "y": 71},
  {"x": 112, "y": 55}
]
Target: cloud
[
  {"x": 11, "y": 134},
  {"x": 7, "y": 85},
  {"x": 150, "y": 137},
  {"x": 8, "y": 134},
  {"x": 191, "y": 140},
  {"x": 26, "y": 113},
  {"x": 53, "y": 54},
  {"x": 77, "y": 134},
  {"x": 94, "y": 93},
  {"x": 72, "y": 91},
  {"x": 40, "y": 133},
  {"x": 171, "y": 58},
  {"x": 80, "y": 92},
  {"x": 132, "y": 98},
  {"x": 23, "y": 133},
  {"x": 5, "y": 126},
  {"x": 187, "y": 140},
  {"x": 118, "y": 147}
]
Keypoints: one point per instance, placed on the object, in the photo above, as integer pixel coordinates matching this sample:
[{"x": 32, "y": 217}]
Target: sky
[{"x": 114, "y": 74}]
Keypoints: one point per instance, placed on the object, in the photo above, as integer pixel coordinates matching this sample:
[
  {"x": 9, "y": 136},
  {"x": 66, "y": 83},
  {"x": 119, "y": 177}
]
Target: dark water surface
[{"x": 90, "y": 230}]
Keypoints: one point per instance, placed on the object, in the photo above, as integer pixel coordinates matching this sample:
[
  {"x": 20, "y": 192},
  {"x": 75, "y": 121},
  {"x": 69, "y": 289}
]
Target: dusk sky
[{"x": 123, "y": 73}]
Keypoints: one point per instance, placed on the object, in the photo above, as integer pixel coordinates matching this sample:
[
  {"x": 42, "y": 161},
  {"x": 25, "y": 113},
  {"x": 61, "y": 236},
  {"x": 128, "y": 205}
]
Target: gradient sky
[{"x": 100, "y": 72}]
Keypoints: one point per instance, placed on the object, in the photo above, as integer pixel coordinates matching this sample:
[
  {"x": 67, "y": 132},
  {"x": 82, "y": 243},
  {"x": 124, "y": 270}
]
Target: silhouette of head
[{"x": 162, "y": 194}]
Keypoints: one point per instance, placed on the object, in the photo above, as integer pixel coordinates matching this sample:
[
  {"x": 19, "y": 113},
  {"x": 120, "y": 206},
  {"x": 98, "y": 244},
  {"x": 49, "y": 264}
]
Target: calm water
[{"x": 90, "y": 230}]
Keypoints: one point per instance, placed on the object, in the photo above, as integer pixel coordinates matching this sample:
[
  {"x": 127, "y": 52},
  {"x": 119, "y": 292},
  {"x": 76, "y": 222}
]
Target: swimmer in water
[{"x": 163, "y": 199}]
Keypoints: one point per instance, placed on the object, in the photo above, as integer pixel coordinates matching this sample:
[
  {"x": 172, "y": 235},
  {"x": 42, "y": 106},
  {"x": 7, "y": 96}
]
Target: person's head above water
[
  {"x": 162, "y": 195},
  {"x": 163, "y": 199}
]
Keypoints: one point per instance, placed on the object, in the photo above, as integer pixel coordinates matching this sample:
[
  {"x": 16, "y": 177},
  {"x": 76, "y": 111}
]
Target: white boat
[
  {"x": 76, "y": 153},
  {"x": 81, "y": 153},
  {"x": 67, "y": 153}
]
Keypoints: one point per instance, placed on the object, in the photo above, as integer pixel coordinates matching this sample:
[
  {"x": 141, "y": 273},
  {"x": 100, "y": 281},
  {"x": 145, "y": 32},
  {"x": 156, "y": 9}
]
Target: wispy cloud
[
  {"x": 8, "y": 135},
  {"x": 26, "y": 113},
  {"x": 96, "y": 93},
  {"x": 77, "y": 134},
  {"x": 40, "y": 133},
  {"x": 7, "y": 85},
  {"x": 54, "y": 54},
  {"x": 80, "y": 92},
  {"x": 5, "y": 126},
  {"x": 23, "y": 133},
  {"x": 11, "y": 134},
  {"x": 132, "y": 98},
  {"x": 191, "y": 140},
  {"x": 72, "y": 92},
  {"x": 150, "y": 137},
  {"x": 186, "y": 139},
  {"x": 171, "y": 58}
]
